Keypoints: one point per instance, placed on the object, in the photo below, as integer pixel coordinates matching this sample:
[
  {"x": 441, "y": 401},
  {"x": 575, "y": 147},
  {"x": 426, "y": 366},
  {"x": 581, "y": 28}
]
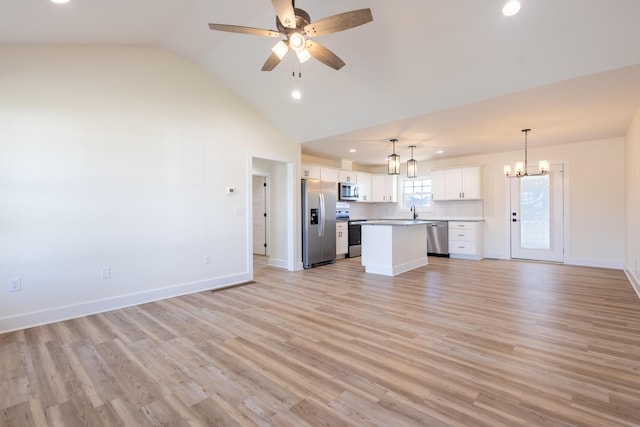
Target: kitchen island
[{"x": 393, "y": 247}]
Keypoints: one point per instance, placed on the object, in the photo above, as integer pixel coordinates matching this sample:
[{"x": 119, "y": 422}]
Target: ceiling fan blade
[
  {"x": 339, "y": 22},
  {"x": 285, "y": 12},
  {"x": 272, "y": 61},
  {"x": 244, "y": 30},
  {"x": 324, "y": 55}
]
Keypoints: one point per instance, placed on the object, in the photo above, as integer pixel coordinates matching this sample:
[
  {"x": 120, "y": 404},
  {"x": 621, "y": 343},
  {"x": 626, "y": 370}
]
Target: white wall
[
  {"x": 632, "y": 197},
  {"x": 119, "y": 157}
]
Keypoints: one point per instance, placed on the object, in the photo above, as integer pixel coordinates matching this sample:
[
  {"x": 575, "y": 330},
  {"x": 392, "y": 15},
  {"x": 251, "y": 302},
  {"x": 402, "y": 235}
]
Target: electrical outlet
[
  {"x": 15, "y": 284},
  {"x": 207, "y": 259},
  {"x": 105, "y": 273}
]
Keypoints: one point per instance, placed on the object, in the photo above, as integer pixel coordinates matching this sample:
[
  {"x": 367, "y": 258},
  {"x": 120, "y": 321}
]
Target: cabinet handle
[
  {"x": 460, "y": 247},
  {"x": 460, "y": 235}
]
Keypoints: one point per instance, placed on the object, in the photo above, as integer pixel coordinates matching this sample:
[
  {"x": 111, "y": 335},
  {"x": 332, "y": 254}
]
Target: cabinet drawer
[
  {"x": 462, "y": 235},
  {"x": 463, "y": 248},
  {"x": 455, "y": 225}
]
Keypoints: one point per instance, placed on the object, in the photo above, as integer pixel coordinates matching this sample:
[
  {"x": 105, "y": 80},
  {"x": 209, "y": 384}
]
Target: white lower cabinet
[
  {"x": 466, "y": 240},
  {"x": 342, "y": 238}
]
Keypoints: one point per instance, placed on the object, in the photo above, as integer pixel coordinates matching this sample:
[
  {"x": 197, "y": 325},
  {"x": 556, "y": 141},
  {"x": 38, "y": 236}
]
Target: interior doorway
[
  {"x": 537, "y": 216},
  {"x": 260, "y": 215}
]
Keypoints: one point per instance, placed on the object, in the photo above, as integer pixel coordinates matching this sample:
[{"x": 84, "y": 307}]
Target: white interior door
[
  {"x": 259, "y": 215},
  {"x": 537, "y": 216}
]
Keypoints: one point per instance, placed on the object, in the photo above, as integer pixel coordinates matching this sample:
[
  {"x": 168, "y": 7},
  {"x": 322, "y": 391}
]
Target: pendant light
[
  {"x": 522, "y": 169},
  {"x": 393, "y": 161},
  {"x": 412, "y": 165}
]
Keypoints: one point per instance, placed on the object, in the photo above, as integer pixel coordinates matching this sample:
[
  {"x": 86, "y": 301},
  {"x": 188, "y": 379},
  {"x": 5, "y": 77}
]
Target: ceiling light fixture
[
  {"x": 280, "y": 49},
  {"x": 59, "y": 1},
  {"x": 296, "y": 94},
  {"x": 297, "y": 42},
  {"x": 521, "y": 169},
  {"x": 303, "y": 55},
  {"x": 412, "y": 165},
  {"x": 393, "y": 161},
  {"x": 511, "y": 8}
]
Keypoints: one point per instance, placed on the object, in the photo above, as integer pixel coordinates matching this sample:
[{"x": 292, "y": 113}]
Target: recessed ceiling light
[
  {"x": 440, "y": 151},
  {"x": 511, "y": 8},
  {"x": 60, "y": 1},
  {"x": 353, "y": 150},
  {"x": 296, "y": 94}
]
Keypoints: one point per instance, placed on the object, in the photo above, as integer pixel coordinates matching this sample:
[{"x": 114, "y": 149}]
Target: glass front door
[{"x": 537, "y": 225}]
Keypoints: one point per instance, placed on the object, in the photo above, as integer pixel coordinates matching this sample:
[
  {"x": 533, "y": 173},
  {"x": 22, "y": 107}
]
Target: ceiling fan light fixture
[
  {"x": 280, "y": 49},
  {"x": 297, "y": 41},
  {"x": 303, "y": 55}
]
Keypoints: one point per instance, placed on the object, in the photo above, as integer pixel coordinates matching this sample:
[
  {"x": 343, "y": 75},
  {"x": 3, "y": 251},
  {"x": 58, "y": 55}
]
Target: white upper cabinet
[
  {"x": 384, "y": 188},
  {"x": 310, "y": 171},
  {"x": 364, "y": 187},
  {"x": 471, "y": 183},
  {"x": 347, "y": 176},
  {"x": 329, "y": 174},
  {"x": 456, "y": 184}
]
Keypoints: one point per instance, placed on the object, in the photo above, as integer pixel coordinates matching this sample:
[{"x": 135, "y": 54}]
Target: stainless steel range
[{"x": 355, "y": 239}]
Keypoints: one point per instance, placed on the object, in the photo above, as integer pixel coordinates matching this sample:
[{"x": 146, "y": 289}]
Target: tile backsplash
[{"x": 455, "y": 209}]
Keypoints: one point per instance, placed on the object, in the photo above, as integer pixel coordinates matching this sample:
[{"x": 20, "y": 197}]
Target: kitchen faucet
[{"x": 413, "y": 209}]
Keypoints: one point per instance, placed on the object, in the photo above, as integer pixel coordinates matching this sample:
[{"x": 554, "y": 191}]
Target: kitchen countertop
[
  {"x": 400, "y": 222},
  {"x": 419, "y": 219}
]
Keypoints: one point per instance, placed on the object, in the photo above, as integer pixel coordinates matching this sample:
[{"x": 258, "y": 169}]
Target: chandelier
[{"x": 522, "y": 168}]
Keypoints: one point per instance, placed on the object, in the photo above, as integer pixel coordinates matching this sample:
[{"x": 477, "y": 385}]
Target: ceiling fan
[{"x": 296, "y": 26}]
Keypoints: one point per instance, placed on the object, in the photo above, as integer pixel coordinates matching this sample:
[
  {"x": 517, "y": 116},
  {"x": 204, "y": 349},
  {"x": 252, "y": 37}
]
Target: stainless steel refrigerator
[{"x": 318, "y": 222}]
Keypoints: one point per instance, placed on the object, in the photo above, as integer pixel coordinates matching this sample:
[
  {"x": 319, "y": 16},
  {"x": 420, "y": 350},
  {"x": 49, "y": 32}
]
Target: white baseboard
[
  {"x": 594, "y": 263},
  {"x": 57, "y": 314},
  {"x": 496, "y": 255},
  {"x": 280, "y": 263},
  {"x": 635, "y": 281}
]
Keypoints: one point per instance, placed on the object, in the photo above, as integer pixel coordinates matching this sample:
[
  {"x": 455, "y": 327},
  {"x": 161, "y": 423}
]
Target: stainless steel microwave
[{"x": 347, "y": 191}]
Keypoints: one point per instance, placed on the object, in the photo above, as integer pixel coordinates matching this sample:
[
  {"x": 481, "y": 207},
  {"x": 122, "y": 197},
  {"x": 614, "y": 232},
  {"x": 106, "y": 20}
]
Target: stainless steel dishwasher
[{"x": 438, "y": 238}]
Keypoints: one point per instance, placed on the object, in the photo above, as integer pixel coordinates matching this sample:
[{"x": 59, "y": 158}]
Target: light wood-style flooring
[{"x": 455, "y": 343}]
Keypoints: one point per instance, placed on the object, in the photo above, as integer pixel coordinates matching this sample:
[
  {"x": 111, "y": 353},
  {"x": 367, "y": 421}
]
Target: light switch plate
[{"x": 15, "y": 284}]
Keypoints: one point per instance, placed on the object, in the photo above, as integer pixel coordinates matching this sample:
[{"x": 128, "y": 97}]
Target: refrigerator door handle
[{"x": 322, "y": 215}]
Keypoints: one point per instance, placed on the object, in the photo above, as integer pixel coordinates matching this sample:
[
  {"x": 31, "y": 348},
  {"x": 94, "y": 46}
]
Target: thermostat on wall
[{"x": 231, "y": 191}]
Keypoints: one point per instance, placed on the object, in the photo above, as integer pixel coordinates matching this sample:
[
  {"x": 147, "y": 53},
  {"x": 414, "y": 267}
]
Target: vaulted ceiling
[{"x": 452, "y": 75}]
